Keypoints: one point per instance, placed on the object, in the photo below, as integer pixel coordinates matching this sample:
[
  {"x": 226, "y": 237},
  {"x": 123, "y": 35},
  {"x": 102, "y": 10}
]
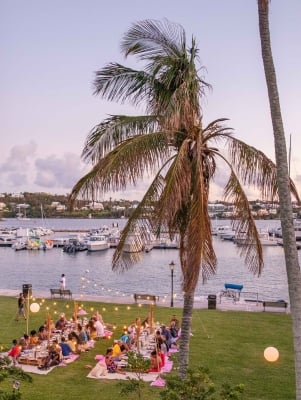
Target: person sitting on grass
[
  {"x": 111, "y": 364},
  {"x": 126, "y": 340},
  {"x": 66, "y": 349},
  {"x": 167, "y": 335},
  {"x": 83, "y": 344},
  {"x": 155, "y": 360},
  {"x": 92, "y": 330},
  {"x": 61, "y": 323},
  {"x": 99, "y": 327},
  {"x": 52, "y": 359},
  {"x": 72, "y": 342},
  {"x": 24, "y": 342},
  {"x": 119, "y": 349},
  {"x": 42, "y": 333},
  {"x": 33, "y": 338},
  {"x": 161, "y": 354}
]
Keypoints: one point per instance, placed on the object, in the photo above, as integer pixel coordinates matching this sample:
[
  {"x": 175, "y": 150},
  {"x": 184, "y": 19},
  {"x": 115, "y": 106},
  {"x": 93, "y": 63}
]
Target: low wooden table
[{"x": 31, "y": 361}]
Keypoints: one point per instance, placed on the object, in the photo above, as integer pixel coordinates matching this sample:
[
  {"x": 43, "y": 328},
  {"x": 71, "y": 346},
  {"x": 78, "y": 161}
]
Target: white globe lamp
[
  {"x": 271, "y": 354},
  {"x": 34, "y": 307}
]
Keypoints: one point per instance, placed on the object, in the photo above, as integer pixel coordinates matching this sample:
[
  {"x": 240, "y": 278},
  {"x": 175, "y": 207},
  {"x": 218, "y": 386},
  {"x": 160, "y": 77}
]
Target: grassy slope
[{"x": 229, "y": 343}]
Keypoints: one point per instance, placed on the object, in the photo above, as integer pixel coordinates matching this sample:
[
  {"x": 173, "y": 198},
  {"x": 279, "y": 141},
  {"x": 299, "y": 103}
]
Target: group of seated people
[
  {"x": 164, "y": 339},
  {"x": 63, "y": 338}
]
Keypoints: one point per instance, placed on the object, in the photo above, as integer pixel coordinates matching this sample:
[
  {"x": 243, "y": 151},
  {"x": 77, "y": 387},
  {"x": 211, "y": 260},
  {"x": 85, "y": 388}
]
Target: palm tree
[
  {"x": 170, "y": 143},
  {"x": 286, "y": 213}
]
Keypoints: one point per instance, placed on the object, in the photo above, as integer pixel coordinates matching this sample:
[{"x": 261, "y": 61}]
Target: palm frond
[
  {"x": 152, "y": 38},
  {"x": 120, "y": 83},
  {"x": 244, "y": 223},
  {"x": 255, "y": 168},
  {"x": 141, "y": 222},
  {"x": 105, "y": 136},
  {"x": 176, "y": 192},
  {"x": 124, "y": 165}
]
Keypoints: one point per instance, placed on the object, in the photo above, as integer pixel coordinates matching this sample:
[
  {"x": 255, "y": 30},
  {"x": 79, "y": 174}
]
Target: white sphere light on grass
[
  {"x": 271, "y": 354},
  {"x": 34, "y": 307}
]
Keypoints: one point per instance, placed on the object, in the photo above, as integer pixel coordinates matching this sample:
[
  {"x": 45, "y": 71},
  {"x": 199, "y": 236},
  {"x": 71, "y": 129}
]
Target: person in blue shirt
[
  {"x": 66, "y": 349},
  {"x": 126, "y": 340}
]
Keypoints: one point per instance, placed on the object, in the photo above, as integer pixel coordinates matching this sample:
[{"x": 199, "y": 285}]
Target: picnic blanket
[
  {"x": 68, "y": 360},
  {"x": 33, "y": 369},
  {"x": 147, "y": 377},
  {"x": 99, "y": 371}
]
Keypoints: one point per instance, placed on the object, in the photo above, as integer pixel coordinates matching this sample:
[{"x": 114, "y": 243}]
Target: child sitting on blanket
[{"x": 110, "y": 363}]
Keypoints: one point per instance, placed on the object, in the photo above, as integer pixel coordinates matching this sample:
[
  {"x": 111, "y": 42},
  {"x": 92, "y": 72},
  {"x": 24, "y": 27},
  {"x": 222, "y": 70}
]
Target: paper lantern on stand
[
  {"x": 271, "y": 354},
  {"x": 34, "y": 307}
]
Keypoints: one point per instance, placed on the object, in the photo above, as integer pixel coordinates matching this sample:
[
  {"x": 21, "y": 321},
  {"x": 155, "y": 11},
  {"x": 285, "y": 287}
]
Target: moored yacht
[
  {"x": 133, "y": 243},
  {"x": 264, "y": 237},
  {"x": 97, "y": 243}
]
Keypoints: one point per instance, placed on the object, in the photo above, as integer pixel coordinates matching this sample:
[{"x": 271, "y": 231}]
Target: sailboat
[
  {"x": 43, "y": 230},
  {"x": 21, "y": 216}
]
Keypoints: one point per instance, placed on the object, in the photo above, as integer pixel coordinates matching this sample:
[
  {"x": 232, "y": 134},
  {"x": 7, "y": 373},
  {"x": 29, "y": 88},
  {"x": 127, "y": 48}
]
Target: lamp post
[{"x": 172, "y": 267}]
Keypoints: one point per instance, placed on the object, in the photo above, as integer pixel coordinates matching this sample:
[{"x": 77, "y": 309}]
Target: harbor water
[{"x": 90, "y": 273}]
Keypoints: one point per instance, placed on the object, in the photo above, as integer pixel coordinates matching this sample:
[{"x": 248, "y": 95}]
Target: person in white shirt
[
  {"x": 63, "y": 282},
  {"x": 99, "y": 328}
]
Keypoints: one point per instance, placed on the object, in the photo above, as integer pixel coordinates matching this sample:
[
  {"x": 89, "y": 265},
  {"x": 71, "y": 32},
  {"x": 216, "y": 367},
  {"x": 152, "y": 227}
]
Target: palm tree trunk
[
  {"x": 286, "y": 212},
  {"x": 185, "y": 333}
]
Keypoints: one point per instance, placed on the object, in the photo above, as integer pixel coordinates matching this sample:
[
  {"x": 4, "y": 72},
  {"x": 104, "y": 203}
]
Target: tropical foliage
[
  {"x": 10, "y": 372},
  {"x": 170, "y": 144},
  {"x": 198, "y": 385}
]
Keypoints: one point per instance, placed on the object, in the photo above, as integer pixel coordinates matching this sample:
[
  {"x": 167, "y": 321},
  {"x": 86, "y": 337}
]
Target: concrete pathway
[{"x": 199, "y": 303}]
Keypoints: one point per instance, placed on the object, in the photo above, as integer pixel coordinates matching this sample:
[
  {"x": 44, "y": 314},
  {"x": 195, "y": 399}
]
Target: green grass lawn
[{"x": 229, "y": 343}]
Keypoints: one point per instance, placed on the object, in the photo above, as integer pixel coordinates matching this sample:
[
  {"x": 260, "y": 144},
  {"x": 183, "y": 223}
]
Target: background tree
[
  {"x": 286, "y": 211},
  {"x": 170, "y": 143}
]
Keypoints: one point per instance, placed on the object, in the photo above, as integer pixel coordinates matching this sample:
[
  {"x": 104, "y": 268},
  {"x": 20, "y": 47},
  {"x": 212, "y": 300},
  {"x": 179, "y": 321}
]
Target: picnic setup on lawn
[
  {"x": 61, "y": 342},
  {"x": 126, "y": 344}
]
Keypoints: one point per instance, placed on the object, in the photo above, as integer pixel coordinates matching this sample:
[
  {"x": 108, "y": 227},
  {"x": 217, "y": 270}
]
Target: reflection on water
[{"x": 91, "y": 274}]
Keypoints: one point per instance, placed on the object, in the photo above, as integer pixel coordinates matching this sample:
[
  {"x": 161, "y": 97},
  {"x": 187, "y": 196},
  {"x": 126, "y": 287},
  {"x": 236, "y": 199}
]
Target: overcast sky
[{"x": 50, "y": 50}]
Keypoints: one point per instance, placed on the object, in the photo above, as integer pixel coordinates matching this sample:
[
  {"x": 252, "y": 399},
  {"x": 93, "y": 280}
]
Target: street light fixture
[{"x": 172, "y": 267}]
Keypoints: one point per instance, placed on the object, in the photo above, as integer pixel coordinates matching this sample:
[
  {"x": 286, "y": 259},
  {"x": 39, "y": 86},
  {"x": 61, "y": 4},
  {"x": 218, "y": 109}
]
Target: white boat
[
  {"x": 20, "y": 244},
  {"x": 97, "y": 243},
  {"x": 107, "y": 231},
  {"x": 166, "y": 243},
  {"x": 219, "y": 230},
  {"x": 60, "y": 241},
  {"x": 225, "y": 232},
  {"x": 133, "y": 243},
  {"x": 114, "y": 239},
  {"x": 297, "y": 227},
  {"x": 6, "y": 241},
  {"x": 7, "y": 238},
  {"x": 264, "y": 237},
  {"x": 20, "y": 215}
]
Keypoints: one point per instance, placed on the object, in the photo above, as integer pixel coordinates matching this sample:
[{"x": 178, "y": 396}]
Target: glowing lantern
[
  {"x": 271, "y": 354},
  {"x": 34, "y": 307}
]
